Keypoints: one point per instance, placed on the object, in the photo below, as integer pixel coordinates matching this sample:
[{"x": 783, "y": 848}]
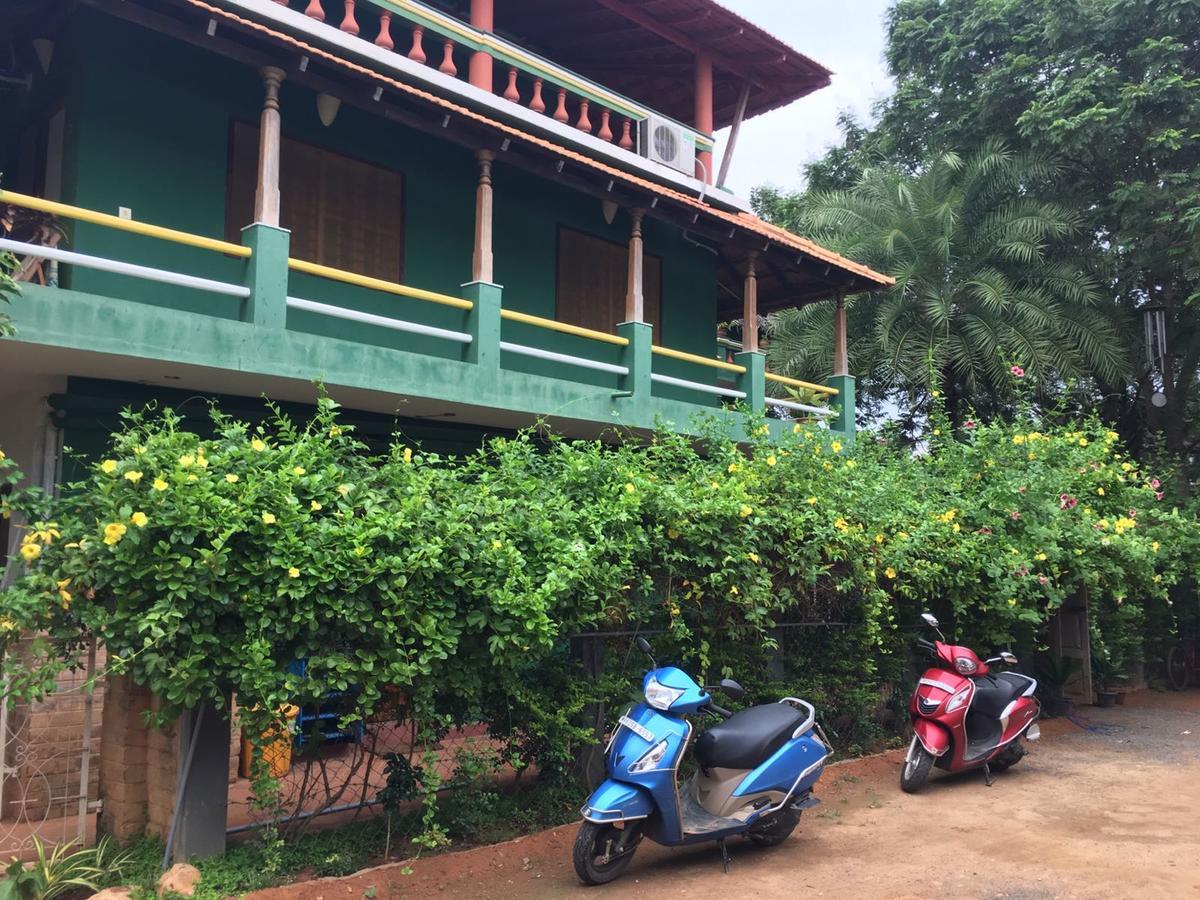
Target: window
[
  {"x": 592, "y": 279},
  {"x": 342, "y": 212}
]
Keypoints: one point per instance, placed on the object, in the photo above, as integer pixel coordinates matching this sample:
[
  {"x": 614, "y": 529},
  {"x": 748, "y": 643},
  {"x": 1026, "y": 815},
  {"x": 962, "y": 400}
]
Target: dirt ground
[{"x": 1107, "y": 805}]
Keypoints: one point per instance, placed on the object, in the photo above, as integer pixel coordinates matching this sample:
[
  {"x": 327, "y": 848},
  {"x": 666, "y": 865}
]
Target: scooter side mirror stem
[{"x": 644, "y": 645}]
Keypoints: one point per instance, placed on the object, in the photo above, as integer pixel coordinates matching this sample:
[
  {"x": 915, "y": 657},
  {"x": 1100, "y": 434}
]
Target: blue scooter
[{"x": 755, "y": 774}]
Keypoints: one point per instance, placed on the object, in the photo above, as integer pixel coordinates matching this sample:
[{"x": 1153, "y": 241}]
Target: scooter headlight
[
  {"x": 965, "y": 666},
  {"x": 650, "y": 759},
  {"x": 660, "y": 696}
]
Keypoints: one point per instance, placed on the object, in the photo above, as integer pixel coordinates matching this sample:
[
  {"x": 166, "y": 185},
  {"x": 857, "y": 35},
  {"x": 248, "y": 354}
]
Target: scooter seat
[
  {"x": 994, "y": 692},
  {"x": 747, "y": 738}
]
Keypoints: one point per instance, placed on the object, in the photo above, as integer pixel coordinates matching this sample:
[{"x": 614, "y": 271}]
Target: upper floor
[{"x": 246, "y": 189}]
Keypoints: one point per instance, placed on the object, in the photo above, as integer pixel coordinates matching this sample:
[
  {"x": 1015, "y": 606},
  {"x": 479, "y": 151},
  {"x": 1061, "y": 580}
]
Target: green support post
[
  {"x": 483, "y": 323},
  {"x": 753, "y": 382},
  {"x": 843, "y": 403},
  {"x": 637, "y": 357},
  {"x": 266, "y": 275}
]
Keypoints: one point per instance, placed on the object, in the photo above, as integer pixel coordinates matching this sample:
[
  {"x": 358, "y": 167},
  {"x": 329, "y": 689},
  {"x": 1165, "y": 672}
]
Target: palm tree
[{"x": 984, "y": 282}]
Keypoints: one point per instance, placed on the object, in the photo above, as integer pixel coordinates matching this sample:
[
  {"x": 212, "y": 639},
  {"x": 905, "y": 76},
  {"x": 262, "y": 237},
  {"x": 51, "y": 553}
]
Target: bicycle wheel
[{"x": 1177, "y": 667}]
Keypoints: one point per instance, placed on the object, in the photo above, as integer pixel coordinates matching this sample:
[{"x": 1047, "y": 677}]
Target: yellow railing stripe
[
  {"x": 97, "y": 218},
  {"x": 377, "y": 284},
  {"x": 802, "y": 385},
  {"x": 699, "y": 360},
  {"x": 551, "y": 324}
]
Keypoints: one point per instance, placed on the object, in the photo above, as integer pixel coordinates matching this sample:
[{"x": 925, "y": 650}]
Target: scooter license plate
[{"x": 637, "y": 728}]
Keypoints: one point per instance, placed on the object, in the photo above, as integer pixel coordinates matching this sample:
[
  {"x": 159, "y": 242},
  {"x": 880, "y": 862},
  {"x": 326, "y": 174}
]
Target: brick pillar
[{"x": 123, "y": 754}]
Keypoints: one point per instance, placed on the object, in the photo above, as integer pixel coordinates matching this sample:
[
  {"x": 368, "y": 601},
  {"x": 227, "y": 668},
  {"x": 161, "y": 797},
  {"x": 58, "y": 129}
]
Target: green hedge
[{"x": 208, "y": 565}]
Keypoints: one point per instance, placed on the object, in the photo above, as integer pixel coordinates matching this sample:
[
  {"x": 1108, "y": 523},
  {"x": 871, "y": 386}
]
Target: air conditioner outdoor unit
[{"x": 669, "y": 143}]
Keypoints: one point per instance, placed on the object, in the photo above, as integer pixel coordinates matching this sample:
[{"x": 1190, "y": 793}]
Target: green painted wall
[{"x": 151, "y": 122}]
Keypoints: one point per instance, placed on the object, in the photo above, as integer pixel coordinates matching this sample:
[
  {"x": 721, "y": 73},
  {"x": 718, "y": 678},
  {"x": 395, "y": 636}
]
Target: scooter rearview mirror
[
  {"x": 930, "y": 619},
  {"x": 731, "y": 688},
  {"x": 1008, "y": 657},
  {"x": 643, "y": 645}
]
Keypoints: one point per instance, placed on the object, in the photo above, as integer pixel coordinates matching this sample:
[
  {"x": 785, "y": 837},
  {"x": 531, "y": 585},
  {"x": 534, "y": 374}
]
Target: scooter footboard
[{"x": 617, "y": 801}]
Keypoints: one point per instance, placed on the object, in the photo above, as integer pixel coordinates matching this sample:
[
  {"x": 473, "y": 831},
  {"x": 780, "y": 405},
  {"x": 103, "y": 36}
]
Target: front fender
[
  {"x": 933, "y": 737},
  {"x": 616, "y": 801}
]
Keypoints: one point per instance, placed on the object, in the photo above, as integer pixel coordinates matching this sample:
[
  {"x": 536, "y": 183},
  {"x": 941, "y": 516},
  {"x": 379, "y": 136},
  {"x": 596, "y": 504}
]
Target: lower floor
[{"x": 1057, "y": 825}]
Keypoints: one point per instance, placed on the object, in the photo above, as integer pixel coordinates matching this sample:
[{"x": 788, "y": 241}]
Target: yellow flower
[
  {"x": 1041, "y": 557},
  {"x": 408, "y": 454},
  {"x": 733, "y": 467},
  {"x": 1018, "y": 439},
  {"x": 745, "y": 511},
  {"x": 135, "y": 476},
  {"x": 629, "y": 488},
  {"x": 138, "y": 451},
  {"x": 841, "y": 524},
  {"x": 231, "y": 478},
  {"x": 836, "y": 446},
  {"x": 160, "y": 485},
  {"x": 1012, "y": 601},
  {"x": 1031, "y": 455},
  {"x": 258, "y": 445},
  {"x": 30, "y": 552},
  {"x": 299, "y": 470},
  {"x": 192, "y": 479},
  {"x": 937, "y": 432},
  {"x": 139, "y": 519},
  {"x": 879, "y": 538},
  {"x": 7, "y": 625},
  {"x": 714, "y": 485},
  {"x": 1083, "y": 442},
  {"x": 497, "y": 543},
  {"x": 765, "y": 429},
  {"x": 1154, "y": 547},
  {"x": 851, "y": 464},
  {"x": 108, "y": 466},
  {"x": 753, "y": 557},
  {"x": 113, "y": 532},
  {"x": 827, "y": 466},
  {"x": 294, "y": 572},
  {"x": 733, "y": 589},
  {"x": 1111, "y": 436},
  {"x": 187, "y": 460},
  {"x": 335, "y": 431},
  {"x": 812, "y": 501},
  {"x": 202, "y": 462},
  {"x": 1157, "y": 579},
  {"x": 890, "y": 572},
  {"x": 796, "y": 428},
  {"x": 1126, "y": 467},
  {"x": 771, "y": 460},
  {"x": 937, "y": 394},
  {"x": 268, "y": 518},
  {"x": 956, "y": 528},
  {"x": 65, "y": 596},
  {"x": 902, "y": 535},
  {"x": 1100, "y": 491},
  {"x": 343, "y": 489},
  {"x": 672, "y": 533},
  {"x": 315, "y": 506},
  {"x": 1124, "y": 524}
]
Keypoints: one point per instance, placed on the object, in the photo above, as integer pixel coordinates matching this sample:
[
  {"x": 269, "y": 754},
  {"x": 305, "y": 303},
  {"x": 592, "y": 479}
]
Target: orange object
[{"x": 276, "y": 746}]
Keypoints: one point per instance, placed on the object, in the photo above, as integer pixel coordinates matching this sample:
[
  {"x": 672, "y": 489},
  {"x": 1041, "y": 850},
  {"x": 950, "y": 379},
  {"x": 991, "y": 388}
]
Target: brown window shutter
[{"x": 591, "y": 280}]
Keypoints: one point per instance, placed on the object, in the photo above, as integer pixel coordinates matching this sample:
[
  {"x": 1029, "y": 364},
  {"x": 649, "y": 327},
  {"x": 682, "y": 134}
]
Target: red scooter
[{"x": 966, "y": 718}]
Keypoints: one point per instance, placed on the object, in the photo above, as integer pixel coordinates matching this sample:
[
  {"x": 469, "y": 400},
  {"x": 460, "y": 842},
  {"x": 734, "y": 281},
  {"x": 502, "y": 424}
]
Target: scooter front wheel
[
  {"x": 603, "y": 851},
  {"x": 916, "y": 768}
]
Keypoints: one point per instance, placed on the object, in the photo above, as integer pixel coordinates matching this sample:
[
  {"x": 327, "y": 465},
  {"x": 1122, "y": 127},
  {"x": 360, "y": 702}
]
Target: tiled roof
[{"x": 739, "y": 220}]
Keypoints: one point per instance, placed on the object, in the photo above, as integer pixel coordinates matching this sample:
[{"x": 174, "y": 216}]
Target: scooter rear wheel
[
  {"x": 776, "y": 830},
  {"x": 917, "y": 764},
  {"x": 593, "y": 856}
]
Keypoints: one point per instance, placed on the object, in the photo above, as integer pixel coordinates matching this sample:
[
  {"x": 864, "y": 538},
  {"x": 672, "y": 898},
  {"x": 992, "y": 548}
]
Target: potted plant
[
  {"x": 1053, "y": 674},
  {"x": 1107, "y": 676}
]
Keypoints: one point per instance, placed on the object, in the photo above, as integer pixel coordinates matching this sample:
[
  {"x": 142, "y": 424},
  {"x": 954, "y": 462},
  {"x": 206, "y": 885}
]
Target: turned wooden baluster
[
  {"x": 349, "y": 22},
  {"x": 447, "y": 65},
  {"x": 536, "y": 103},
  {"x": 417, "y": 53},
  {"x": 511, "y": 92},
  {"x": 584, "y": 124},
  {"x": 314, "y": 11},
  {"x": 605, "y": 133},
  {"x": 384, "y": 39},
  {"x": 560, "y": 114},
  {"x": 626, "y": 142}
]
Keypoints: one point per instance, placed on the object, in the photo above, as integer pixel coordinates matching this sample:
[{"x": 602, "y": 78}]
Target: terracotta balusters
[
  {"x": 417, "y": 53},
  {"x": 536, "y": 103},
  {"x": 605, "y": 133},
  {"x": 349, "y": 22},
  {"x": 584, "y": 124},
  {"x": 314, "y": 11},
  {"x": 626, "y": 142},
  {"x": 384, "y": 39},
  {"x": 560, "y": 114},
  {"x": 447, "y": 65},
  {"x": 511, "y": 92}
]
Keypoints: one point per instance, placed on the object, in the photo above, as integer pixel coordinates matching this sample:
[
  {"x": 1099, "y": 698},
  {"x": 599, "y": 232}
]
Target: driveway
[{"x": 1107, "y": 805}]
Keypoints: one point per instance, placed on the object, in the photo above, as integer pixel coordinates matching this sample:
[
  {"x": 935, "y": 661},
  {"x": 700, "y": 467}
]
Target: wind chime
[{"x": 1154, "y": 317}]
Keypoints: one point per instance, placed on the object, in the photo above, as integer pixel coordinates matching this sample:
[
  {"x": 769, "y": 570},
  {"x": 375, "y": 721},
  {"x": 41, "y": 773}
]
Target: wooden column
[
  {"x": 266, "y": 196},
  {"x": 481, "y": 261},
  {"x": 483, "y": 17},
  {"x": 750, "y": 305},
  {"x": 841, "y": 360},
  {"x": 635, "y": 304},
  {"x": 703, "y": 119}
]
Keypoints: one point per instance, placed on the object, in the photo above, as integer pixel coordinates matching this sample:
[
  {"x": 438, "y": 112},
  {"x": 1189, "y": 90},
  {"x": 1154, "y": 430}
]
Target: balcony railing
[
  {"x": 628, "y": 363},
  {"x": 432, "y": 38}
]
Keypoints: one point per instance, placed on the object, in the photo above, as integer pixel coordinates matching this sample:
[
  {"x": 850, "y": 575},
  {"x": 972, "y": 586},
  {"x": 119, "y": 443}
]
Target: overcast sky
[{"x": 846, "y": 37}]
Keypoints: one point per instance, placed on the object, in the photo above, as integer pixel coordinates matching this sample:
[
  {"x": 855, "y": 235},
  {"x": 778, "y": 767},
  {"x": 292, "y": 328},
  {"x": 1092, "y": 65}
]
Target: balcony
[{"x": 277, "y": 322}]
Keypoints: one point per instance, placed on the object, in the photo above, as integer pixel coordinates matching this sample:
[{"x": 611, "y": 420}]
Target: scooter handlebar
[
  {"x": 926, "y": 645},
  {"x": 719, "y": 711}
]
